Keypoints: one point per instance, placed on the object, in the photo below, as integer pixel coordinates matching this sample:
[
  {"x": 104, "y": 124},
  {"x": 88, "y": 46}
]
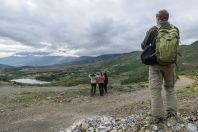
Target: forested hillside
[{"x": 123, "y": 68}]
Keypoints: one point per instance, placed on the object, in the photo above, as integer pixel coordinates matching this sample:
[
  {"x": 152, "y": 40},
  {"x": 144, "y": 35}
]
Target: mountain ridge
[{"x": 44, "y": 59}]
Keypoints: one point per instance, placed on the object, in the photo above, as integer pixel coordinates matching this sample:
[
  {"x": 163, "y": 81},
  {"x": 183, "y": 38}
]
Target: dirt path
[
  {"x": 184, "y": 82},
  {"x": 52, "y": 117}
]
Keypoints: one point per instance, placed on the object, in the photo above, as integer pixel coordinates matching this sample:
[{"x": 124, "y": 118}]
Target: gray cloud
[{"x": 90, "y": 27}]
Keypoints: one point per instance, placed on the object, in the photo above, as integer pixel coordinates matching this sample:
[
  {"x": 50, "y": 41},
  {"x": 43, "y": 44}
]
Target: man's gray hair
[{"x": 163, "y": 15}]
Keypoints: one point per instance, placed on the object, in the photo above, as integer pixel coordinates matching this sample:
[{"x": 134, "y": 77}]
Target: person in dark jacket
[{"x": 105, "y": 82}]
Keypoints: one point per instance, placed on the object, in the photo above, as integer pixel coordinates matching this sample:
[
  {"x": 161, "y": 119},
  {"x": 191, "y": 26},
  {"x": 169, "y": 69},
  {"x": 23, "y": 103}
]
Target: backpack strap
[
  {"x": 172, "y": 26},
  {"x": 158, "y": 26}
]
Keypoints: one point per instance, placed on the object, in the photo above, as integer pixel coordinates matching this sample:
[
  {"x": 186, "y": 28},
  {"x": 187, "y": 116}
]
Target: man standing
[{"x": 161, "y": 74}]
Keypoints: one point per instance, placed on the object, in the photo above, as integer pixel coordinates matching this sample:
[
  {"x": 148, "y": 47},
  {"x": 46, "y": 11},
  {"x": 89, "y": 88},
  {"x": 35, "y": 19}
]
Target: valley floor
[{"x": 47, "y": 116}]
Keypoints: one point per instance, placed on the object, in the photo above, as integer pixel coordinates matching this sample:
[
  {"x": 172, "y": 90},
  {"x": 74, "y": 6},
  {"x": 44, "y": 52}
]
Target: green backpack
[{"x": 167, "y": 43}]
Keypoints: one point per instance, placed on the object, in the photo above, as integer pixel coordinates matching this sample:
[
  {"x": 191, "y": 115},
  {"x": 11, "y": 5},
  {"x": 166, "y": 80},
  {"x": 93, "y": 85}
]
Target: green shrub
[
  {"x": 136, "y": 77},
  {"x": 4, "y": 78},
  {"x": 51, "y": 76}
]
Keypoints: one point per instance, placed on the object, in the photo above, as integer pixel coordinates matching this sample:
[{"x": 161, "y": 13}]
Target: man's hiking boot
[
  {"x": 156, "y": 120},
  {"x": 171, "y": 118},
  {"x": 156, "y": 123}
]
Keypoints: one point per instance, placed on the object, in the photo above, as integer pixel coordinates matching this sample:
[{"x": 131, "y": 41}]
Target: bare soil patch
[{"x": 54, "y": 116}]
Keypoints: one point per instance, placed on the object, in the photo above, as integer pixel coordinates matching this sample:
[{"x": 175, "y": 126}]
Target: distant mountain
[
  {"x": 35, "y": 59},
  {"x": 3, "y": 67},
  {"x": 89, "y": 59},
  {"x": 44, "y": 59},
  {"x": 189, "y": 58},
  {"x": 126, "y": 68}
]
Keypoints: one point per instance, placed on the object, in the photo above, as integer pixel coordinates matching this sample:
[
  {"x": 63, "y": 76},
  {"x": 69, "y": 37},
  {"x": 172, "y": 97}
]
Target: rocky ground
[
  {"x": 121, "y": 110},
  {"x": 135, "y": 117},
  {"x": 133, "y": 123}
]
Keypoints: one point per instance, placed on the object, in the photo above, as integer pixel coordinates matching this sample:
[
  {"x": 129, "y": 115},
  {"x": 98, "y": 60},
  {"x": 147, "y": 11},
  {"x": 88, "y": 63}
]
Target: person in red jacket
[{"x": 101, "y": 79}]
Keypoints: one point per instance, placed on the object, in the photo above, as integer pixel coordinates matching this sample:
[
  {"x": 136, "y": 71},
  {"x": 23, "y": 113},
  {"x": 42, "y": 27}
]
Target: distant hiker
[
  {"x": 105, "y": 82},
  {"x": 165, "y": 37},
  {"x": 93, "y": 79},
  {"x": 101, "y": 79}
]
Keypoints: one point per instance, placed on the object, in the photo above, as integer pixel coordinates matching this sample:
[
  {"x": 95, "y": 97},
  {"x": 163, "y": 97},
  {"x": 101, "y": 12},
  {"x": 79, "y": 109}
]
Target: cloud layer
[{"x": 87, "y": 27}]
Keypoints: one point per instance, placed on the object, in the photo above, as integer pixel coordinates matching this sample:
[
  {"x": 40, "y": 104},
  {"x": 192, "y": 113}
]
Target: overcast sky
[{"x": 87, "y": 27}]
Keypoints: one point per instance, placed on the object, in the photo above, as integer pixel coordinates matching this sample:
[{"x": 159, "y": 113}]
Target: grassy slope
[
  {"x": 126, "y": 69},
  {"x": 123, "y": 69},
  {"x": 189, "y": 59}
]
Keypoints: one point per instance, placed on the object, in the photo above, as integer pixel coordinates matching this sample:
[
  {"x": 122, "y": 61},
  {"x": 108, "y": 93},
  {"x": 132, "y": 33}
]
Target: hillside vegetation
[
  {"x": 122, "y": 69},
  {"x": 189, "y": 60}
]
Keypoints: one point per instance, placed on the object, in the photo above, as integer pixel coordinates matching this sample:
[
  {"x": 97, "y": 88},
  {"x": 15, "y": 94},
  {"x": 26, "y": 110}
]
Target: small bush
[
  {"x": 136, "y": 77},
  {"x": 4, "y": 78}
]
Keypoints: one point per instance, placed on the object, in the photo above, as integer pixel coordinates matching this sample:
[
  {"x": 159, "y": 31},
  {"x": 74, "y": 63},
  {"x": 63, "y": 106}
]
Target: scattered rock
[
  {"x": 49, "y": 98},
  {"x": 91, "y": 129},
  {"x": 191, "y": 127},
  {"x": 84, "y": 126},
  {"x": 133, "y": 123}
]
